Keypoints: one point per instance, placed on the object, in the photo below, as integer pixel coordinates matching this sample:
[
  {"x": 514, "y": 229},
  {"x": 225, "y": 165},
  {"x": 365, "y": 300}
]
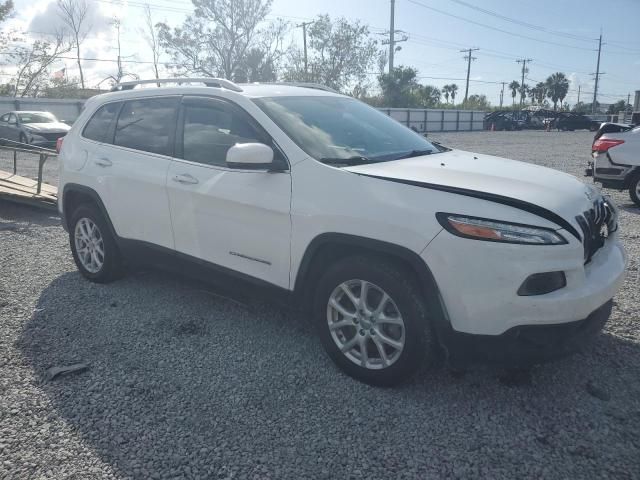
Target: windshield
[
  {"x": 40, "y": 117},
  {"x": 343, "y": 130}
]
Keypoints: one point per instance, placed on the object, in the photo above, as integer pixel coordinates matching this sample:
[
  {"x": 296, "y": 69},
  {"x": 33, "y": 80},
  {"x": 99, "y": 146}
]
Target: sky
[{"x": 557, "y": 35}]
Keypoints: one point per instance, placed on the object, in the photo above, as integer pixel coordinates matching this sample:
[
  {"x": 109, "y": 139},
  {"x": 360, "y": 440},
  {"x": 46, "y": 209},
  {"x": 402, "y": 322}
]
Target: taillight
[
  {"x": 59, "y": 144},
  {"x": 601, "y": 145}
]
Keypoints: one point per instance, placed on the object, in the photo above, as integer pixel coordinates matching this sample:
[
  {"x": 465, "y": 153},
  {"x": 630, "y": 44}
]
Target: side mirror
[{"x": 250, "y": 156}]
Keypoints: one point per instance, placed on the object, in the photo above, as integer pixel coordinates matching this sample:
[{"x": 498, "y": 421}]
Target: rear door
[
  {"x": 237, "y": 219},
  {"x": 129, "y": 157}
]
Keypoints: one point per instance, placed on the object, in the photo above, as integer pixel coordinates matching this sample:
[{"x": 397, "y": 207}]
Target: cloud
[{"x": 49, "y": 20}]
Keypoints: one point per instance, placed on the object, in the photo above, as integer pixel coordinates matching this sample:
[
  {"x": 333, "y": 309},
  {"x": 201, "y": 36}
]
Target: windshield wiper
[
  {"x": 414, "y": 153},
  {"x": 355, "y": 160}
]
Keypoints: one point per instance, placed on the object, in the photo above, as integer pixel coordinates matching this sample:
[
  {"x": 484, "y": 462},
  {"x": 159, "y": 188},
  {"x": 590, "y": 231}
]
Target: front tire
[
  {"x": 93, "y": 246},
  {"x": 372, "y": 320},
  {"x": 634, "y": 189}
]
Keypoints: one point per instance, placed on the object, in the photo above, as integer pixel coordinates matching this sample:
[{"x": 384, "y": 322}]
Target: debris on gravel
[{"x": 187, "y": 383}]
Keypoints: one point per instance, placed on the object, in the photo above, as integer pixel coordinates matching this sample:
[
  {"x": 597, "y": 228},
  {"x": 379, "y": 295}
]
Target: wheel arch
[
  {"x": 74, "y": 195},
  {"x": 331, "y": 247}
]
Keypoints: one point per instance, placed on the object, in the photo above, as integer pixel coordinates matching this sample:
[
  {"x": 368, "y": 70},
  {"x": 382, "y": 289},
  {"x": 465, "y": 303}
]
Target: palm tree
[
  {"x": 524, "y": 89},
  {"x": 428, "y": 95},
  {"x": 446, "y": 90},
  {"x": 533, "y": 94},
  {"x": 558, "y": 87},
  {"x": 514, "y": 86},
  {"x": 541, "y": 92},
  {"x": 454, "y": 90}
]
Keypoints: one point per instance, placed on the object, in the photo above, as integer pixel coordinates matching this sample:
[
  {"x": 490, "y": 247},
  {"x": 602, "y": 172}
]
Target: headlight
[{"x": 498, "y": 231}]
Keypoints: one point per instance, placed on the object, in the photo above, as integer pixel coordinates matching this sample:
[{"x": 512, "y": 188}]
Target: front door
[{"x": 238, "y": 219}]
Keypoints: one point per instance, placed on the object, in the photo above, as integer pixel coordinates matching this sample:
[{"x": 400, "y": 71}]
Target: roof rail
[
  {"x": 316, "y": 86},
  {"x": 208, "y": 81}
]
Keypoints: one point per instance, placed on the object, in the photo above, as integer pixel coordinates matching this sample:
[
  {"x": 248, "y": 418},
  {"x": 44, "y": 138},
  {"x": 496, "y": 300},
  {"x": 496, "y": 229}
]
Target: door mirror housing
[{"x": 250, "y": 156}]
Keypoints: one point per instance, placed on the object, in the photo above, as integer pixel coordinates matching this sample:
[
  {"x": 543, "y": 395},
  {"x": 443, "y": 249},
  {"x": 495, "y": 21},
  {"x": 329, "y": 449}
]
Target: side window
[
  {"x": 4, "y": 118},
  {"x": 98, "y": 127},
  {"x": 211, "y": 130},
  {"x": 13, "y": 120},
  {"x": 147, "y": 125}
]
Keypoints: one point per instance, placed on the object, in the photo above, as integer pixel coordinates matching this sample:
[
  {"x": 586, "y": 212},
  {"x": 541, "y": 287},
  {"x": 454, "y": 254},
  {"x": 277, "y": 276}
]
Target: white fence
[
  {"x": 422, "y": 120},
  {"x": 433, "y": 120}
]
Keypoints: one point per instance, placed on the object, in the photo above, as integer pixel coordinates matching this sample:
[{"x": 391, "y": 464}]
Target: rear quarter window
[{"x": 98, "y": 128}]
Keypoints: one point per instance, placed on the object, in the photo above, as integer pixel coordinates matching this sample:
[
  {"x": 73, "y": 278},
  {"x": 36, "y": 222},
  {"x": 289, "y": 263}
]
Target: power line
[
  {"x": 442, "y": 12},
  {"x": 525, "y": 24}
]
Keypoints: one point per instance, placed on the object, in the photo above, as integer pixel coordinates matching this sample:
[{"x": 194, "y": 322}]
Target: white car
[
  {"x": 401, "y": 249},
  {"x": 616, "y": 158}
]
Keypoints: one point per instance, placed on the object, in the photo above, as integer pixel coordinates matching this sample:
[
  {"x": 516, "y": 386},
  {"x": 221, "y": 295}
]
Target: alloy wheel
[
  {"x": 365, "y": 324},
  {"x": 89, "y": 245}
]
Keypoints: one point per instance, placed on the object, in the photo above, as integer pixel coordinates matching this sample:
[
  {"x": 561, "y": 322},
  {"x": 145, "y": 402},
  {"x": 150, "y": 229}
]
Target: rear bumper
[
  {"x": 610, "y": 174},
  {"x": 527, "y": 345}
]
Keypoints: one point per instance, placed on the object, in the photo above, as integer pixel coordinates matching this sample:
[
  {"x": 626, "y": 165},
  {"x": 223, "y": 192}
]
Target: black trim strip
[
  {"x": 236, "y": 254},
  {"x": 491, "y": 197}
]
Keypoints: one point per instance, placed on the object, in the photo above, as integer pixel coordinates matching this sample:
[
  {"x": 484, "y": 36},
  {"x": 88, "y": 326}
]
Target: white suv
[{"x": 401, "y": 248}]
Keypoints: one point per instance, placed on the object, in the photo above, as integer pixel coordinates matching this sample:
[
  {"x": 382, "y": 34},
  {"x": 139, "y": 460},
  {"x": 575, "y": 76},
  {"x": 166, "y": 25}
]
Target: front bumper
[
  {"x": 527, "y": 345},
  {"x": 478, "y": 281}
]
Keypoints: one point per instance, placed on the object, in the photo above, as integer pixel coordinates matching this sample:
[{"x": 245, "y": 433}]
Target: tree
[
  {"x": 514, "y": 86},
  {"x": 74, "y": 14},
  {"x": 428, "y": 96},
  {"x": 557, "y": 88},
  {"x": 446, "y": 91},
  {"x": 478, "y": 102},
  {"x": 216, "y": 39},
  {"x": 524, "y": 89},
  {"x": 399, "y": 86},
  {"x": 533, "y": 94},
  {"x": 150, "y": 34},
  {"x": 541, "y": 92},
  {"x": 619, "y": 106},
  {"x": 453, "y": 91},
  {"x": 339, "y": 54},
  {"x": 6, "y": 9},
  {"x": 33, "y": 62}
]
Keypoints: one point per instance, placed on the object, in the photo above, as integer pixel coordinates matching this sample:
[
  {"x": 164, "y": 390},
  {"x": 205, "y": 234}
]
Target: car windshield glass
[
  {"x": 40, "y": 117},
  {"x": 340, "y": 130}
]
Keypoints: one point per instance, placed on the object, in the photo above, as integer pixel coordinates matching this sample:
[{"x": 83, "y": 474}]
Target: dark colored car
[
  {"x": 40, "y": 129},
  {"x": 504, "y": 120},
  {"x": 574, "y": 121}
]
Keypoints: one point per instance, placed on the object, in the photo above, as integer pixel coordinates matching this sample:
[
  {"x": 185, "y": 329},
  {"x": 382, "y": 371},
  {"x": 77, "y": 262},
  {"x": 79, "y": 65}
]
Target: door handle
[
  {"x": 103, "y": 162},
  {"x": 185, "y": 178}
]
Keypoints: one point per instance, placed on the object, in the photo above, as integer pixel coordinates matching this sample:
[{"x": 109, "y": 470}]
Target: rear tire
[
  {"x": 93, "y": 245},
  {"x": 634, "y": 189},
  {"x": 395, "y": 341}
]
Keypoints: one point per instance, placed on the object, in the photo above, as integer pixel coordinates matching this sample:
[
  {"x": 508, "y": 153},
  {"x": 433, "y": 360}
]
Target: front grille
[{"x": 596, "y": 224}]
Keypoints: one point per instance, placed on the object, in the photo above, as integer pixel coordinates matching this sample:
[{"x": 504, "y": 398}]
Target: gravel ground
[{"x": 186, "y": 383}]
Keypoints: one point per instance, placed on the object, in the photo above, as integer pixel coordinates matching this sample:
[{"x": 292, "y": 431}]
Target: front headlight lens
[{"x": 497, "y": 231}]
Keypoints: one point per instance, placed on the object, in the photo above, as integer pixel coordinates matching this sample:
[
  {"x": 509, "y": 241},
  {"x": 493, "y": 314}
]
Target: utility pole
[
  {"x": 469, "y": 58},
  {"x": 304, "y": 41},
  {"x": 523, "y": 61},
  {"x": 392, "y": 39},
  {"x": 579, "y": 86},
  {"x": 597, "y": 74},
  {"x": 502, "y": 94}
]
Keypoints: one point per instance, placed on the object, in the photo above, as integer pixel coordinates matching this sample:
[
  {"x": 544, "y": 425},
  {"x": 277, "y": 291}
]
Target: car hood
[
  {"x": 493, "y": 178},
  {"x": 49, "y": 127}
]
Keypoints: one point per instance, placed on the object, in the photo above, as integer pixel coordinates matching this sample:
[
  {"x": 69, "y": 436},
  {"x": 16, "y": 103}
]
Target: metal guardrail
[{"x": 43, "y": 153}]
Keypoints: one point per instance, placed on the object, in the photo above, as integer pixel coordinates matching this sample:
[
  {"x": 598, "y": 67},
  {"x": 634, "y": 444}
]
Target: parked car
[
  {"x": 41, "y": 129},
  {"x": 573, "y": 121},
  {"x": 399, "y": 248},
  {"x": 616, "y": 158},
  {"x": 504, "y": 120}
]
